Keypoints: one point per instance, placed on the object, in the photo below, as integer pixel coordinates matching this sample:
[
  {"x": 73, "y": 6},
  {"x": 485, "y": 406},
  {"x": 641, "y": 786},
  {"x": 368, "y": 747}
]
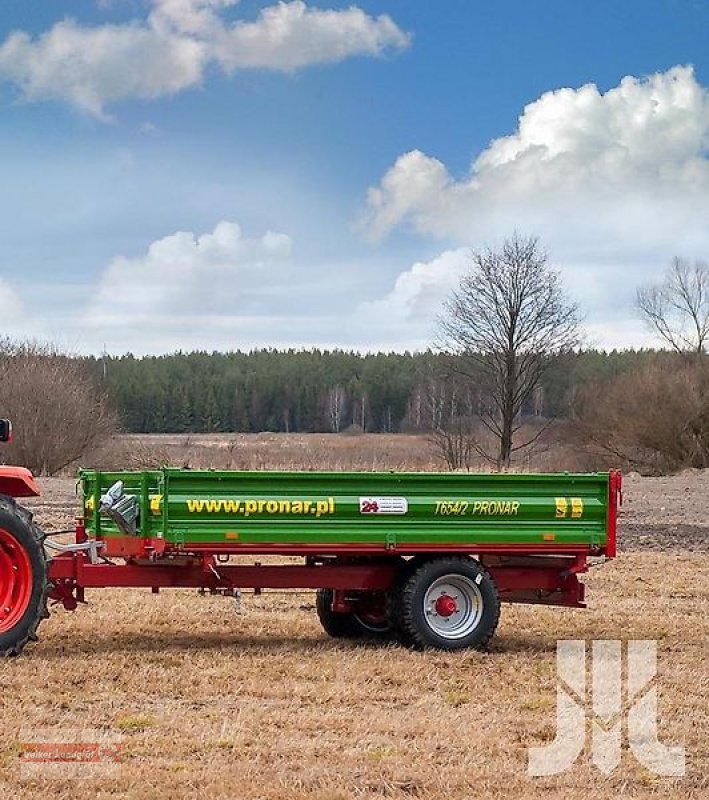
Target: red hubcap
[
  {"x": 446, "y": 606},
  {"x": 15, "y": 581}
]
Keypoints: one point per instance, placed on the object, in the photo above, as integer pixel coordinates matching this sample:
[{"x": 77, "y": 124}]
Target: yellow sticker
[
  {"x": 561, "y": 507},
  {"x": 90, "y": 504},
  {"x": 156, "y": 503},
  {"x": 576, "y": 508}
]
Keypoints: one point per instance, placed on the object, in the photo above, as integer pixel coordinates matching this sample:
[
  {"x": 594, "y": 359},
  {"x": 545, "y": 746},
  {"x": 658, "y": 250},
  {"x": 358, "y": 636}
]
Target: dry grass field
[
  {"x": 311, "y": 451},
  {"x": 212, "y": 703}
]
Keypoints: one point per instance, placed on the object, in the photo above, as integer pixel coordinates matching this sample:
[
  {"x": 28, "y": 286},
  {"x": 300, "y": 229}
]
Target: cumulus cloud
[
  {"x": 642, "y": 146},
  {"x": 418, "y": 292},
  {"x": 405, "y": 317},
  {"x": 224, "y": 290},
  {"x": 615, "y": 184},
  {"x": 169, "y": 51},
  {"x": 184, "y": 277}
]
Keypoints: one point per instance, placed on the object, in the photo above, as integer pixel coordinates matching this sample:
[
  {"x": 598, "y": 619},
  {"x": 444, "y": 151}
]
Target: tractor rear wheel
[
  {"x": 23, "y": 578},
  {"x": 447, "y": 604},
  {"x": 368, "y": 617}
]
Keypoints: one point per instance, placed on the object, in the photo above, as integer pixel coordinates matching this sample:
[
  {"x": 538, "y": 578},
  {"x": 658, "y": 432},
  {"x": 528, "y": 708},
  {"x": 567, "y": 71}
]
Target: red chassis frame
[{"x": 547, "y": 577}]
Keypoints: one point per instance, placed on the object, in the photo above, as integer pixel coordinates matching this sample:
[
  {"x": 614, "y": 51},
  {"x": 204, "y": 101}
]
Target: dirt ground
[{"x": 261, "y": 704}]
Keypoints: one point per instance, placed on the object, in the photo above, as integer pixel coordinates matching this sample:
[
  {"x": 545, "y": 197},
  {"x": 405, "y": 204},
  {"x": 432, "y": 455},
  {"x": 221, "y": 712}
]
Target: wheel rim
[
  {"x": 453, "y": 606},
  {"x": 15, "y": 581},
  {"x": 372, "y": 614},
  {"x": 372, "y": 621}
]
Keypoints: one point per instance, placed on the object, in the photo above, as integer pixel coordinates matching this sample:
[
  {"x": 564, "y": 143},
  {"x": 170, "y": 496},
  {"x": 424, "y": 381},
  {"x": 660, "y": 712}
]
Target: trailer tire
[
  {"x": 447, "y": 604},
  {"x": 346, "y": 625},
  {"x": 23, "y": 578}
]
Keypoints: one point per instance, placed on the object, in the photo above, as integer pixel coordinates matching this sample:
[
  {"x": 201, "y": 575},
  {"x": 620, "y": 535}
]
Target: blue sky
[{"x": 216, "y": 174}]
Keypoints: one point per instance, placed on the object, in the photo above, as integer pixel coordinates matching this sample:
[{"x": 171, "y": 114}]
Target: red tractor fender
[{"x": 18, "y": 482}]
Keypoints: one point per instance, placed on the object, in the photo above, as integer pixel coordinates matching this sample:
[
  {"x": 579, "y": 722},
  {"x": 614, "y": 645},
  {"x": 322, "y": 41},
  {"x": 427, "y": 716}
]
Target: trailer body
[{"x": 332, "y": 512}]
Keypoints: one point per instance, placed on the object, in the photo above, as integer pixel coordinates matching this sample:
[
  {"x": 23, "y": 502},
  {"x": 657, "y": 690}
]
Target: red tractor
[{"x": 23, "y": 566}]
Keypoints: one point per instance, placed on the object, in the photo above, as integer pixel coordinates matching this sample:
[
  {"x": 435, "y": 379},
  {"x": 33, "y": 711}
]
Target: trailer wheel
[
  {"x": 23, "y": 578},
  {"x": 448, "y": 604},
  {"x": 367, "y": 620}
]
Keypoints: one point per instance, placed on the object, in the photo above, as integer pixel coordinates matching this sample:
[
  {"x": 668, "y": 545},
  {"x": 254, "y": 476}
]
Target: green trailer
[{"x": 423, "y": 557}]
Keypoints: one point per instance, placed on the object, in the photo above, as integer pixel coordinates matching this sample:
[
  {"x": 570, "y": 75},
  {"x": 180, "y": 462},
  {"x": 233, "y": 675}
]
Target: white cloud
[
  {"x": 639, "y": 149},
  {"x": 11, "y": 308},
  {"x": 288, "y": 36},
  {"x": 418, "y": 292},
  {"x": 405, "y": 317},
  {"x": 224, "y": 290},
  {"x": 92, "y": 66},
  {"x": 615, "y": 184},
  {"x": 15, "y": 322},
  {"x": 183, "y": 276}
]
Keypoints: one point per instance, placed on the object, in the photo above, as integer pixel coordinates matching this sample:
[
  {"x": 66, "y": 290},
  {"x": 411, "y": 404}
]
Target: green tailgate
[{"x": 389, "y": 509}]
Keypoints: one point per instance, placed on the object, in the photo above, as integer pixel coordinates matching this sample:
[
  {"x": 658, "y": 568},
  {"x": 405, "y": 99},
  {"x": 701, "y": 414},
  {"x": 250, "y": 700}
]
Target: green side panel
[{"x": 393, "y": 509}]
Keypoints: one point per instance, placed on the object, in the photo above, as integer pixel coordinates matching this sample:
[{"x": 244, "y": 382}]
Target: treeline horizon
[{"x": 315, "y": 391}]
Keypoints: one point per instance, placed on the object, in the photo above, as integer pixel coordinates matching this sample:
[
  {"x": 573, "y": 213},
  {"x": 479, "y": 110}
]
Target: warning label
[{"x": 383, "y": 505}]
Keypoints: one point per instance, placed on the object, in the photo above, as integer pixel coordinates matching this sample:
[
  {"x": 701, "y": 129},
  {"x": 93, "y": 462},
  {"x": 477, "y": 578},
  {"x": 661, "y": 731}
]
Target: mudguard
[{"x": 18, "y": 482}]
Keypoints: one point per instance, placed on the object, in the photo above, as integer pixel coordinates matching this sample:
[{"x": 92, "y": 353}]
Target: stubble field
[{"x": 209, "y": 702}]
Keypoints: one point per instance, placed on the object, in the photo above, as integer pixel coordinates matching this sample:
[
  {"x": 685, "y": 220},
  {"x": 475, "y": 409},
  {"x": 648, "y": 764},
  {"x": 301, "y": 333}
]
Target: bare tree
[
  {"x": 507, "y": 319},
  {"x": 336, "y": 399},
  {"x": 678, "y": 308},
  {"x": 59, "y": 414},
  {"x": 455, "y": 443},
  {"x": 446, "y": 406},
  {"x": 653, "y": 418}
]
